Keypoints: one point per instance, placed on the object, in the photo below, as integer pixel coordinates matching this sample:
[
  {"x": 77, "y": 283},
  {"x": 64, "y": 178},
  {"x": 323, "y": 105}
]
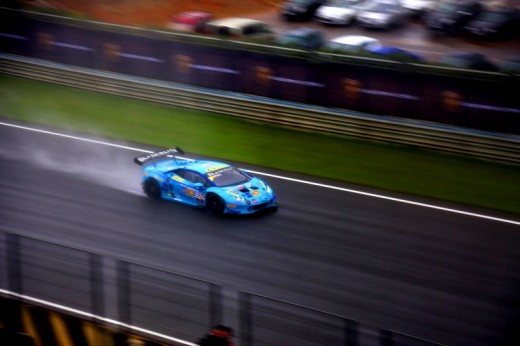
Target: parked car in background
[
  {"x": 510, "y": 65},
  {"x": 191, "y": 21},
  {"x": 300, "y": 9},
  {"x": 239, "y": 28},
  {"x": 495, "y": 22},
  {"x": 353, "y": 44},
  {"x": 383, "y": 14},
  {"x": 468, "y": 60},
  {"x": 338, "y": 12},
  {"x": 451, "y": 16},
  {"x": 303, "y": 38},
  {"x": 417, "y": 8},
  {"x": 395, "y": 53}
]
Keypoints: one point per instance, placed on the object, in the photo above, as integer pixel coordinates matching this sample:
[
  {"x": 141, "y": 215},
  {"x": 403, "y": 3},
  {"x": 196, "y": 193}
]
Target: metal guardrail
[
  {"x": 481, "y": 144},
  {"x": 137, "y": 300}
]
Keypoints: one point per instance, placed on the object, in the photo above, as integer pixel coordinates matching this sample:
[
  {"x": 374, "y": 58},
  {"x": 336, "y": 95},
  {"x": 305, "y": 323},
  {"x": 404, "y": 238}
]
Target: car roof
[
  {"x": 194, "y": 14},
  {"x": 235, "y": 22},
  {"x": 353, "y": 39}
]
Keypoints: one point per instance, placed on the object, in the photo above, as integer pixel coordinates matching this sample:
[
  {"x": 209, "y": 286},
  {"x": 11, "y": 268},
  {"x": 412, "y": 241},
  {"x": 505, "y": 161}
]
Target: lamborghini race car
[{"x": 216, "y": 186}]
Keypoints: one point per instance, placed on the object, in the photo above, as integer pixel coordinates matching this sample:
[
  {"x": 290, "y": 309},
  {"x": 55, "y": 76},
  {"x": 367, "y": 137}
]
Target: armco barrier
[
  {"x": 450, "y": 139},
  {"x": 52, "y": 291}
]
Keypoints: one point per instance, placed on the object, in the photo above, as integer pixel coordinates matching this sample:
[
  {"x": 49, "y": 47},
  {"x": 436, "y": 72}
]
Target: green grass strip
[{"x": 386, "y": 166}]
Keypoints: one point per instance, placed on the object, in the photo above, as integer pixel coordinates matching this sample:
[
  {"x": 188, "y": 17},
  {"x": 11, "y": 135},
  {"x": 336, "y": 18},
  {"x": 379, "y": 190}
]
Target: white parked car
[
  {"x": 419, "y": 7},
  {"x": 382, "y": 14},
  {"x": 239, "y": 28},
  {"x": 338, "y": 12},
  {"x": 354, "y": 43}
]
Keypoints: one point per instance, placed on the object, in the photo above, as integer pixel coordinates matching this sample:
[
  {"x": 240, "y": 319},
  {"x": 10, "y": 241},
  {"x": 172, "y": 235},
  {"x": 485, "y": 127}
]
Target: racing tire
[
  {"x": 152, "y": 189},
  {"x": 215, "y": 204}
]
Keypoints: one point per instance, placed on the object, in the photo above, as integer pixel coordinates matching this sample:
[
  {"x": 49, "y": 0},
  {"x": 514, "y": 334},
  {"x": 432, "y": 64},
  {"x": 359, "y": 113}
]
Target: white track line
[
  {"x": 373, "y": 195},
  {"x": 92, "y": 316}
]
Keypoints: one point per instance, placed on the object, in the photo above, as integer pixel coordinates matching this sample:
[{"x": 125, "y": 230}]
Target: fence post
[
  {"x": 351, "y": 333},
  {"x": 246, "y": 337},
  {"x": 14, "y": 263},
  {"x": 386, "y": 338},
  {"x": 96, "y": 284},
  {"x": 123, "y": 292},
  {"x": 215, "y": 305}
]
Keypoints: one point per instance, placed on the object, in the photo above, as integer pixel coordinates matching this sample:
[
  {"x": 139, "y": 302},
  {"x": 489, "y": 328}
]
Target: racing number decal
[{"x": 199, "y": 197}]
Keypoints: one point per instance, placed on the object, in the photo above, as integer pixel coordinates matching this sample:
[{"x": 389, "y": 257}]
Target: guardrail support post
[
  {"x": 123, "y": 292},
  {"x": 386, "y": 338},
  {"x": 215, "y": 305},
  {"x": 246, "y": 335},
  {"x": 96, "y": 284},
  {"x": 351, "y": 333},
  {"x": 14, "y": 264}
]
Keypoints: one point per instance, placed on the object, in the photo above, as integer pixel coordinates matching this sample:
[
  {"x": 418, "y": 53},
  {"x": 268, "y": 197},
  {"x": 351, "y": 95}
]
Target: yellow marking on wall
[
  {"x": 60, "y": 330},
  {"x": 28, "y": 326},
  {"x": 92, "y": 334}
]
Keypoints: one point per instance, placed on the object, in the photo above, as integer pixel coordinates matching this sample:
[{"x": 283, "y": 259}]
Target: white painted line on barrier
[
  {"x": 96, "y": 317},
  {"x": 362, "y": 193}
]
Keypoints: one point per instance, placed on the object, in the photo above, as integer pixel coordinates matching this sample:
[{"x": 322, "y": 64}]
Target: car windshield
[
  {"x": 227, "y": 176},
  {"x": 341, "y": 3},
  {"x": 382, "y": 7},
  {"x": 292, "y": 39},
  {"x": 493, "y": 17},
  {"x": 453, "y": 8},
  {"x": 301, "y": 2}
]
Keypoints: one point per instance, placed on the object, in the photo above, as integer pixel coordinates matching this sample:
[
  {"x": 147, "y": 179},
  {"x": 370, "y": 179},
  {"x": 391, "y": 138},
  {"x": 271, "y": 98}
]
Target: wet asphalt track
[{"x": 449, "y": 278}]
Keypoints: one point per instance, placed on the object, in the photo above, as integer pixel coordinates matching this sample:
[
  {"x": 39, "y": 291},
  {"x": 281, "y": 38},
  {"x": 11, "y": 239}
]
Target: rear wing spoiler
[{"x": 141, "y": 160}]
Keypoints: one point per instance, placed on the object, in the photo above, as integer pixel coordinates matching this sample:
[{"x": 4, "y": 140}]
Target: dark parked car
[
  {"x": 510, "y": 65},
  {"x": 495, "y": 23},
  {"x": 303, "y": 38},
  {"x": 300, "y": 9},
  {"x": 468, "y": 60},
  {"x": 452, "y": 16}
]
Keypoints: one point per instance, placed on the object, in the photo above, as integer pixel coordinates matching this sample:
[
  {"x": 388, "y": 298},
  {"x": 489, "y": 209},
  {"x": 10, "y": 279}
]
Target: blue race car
[{"x": 216, "y": 186}]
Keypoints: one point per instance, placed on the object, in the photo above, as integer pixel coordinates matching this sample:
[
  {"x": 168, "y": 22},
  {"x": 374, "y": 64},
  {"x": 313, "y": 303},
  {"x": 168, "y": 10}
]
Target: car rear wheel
[
  {"x": 215, "y": 204},
  {"x": 152, "y": 189}
]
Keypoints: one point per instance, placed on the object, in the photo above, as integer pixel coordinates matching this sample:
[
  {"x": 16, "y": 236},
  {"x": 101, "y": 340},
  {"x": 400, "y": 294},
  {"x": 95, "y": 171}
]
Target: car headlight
[{"x": 240, "y": 199}]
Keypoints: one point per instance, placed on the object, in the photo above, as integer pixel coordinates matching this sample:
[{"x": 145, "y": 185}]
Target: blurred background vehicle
[
  {"x": 304, "y": 38},
  {"x": 338, "y": 12},
  {"x": 300, "y": 9},
  {"x": 495, "y": 22},
  {"x": 468, "y": 60},
  {"x": 239, "y": 28},
  {"x": 353, "y": 43},
  {"x": 379, "y": 14},
  {"x": 396, "y": 53},
  {"x": 510, "y": 65},
  {"x": 191, "y": 21},
  {"x": 418, "y": 8},
  {"x": 451, "y": 16}
]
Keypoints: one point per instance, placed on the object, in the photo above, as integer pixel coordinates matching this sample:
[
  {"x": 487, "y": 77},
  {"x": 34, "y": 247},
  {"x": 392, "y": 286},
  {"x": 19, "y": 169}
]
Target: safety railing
[
  {"x": 161, "y": 305},
  {"x": 487, "y": 145}
]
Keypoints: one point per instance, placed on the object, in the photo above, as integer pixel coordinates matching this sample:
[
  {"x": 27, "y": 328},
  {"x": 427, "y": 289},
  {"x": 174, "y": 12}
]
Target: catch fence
[{"x": 160, "y": 303}]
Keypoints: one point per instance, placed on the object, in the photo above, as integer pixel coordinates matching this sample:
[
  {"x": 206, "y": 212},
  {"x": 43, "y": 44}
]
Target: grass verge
[{"x": 391, "y": 167}]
